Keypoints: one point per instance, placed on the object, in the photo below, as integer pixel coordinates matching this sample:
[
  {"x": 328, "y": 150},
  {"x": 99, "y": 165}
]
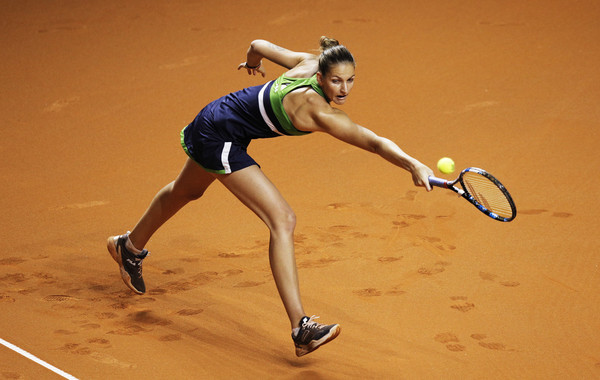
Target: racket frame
[{"x": 439, "y": 182}]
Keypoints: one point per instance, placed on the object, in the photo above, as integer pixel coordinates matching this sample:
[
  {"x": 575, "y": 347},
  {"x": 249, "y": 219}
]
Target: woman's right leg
[{"x": 190, "y": 185}]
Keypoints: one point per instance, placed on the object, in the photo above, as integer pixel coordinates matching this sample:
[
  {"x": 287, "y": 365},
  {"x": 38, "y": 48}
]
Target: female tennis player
[{"x": 297, "y": 103}]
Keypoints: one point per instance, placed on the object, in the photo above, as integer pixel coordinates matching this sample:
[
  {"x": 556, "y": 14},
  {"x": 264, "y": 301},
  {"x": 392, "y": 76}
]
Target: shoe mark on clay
[
  {"x": 100, "y": 288},
  {"x": 318, "y": 263},
  {"x": 90, "y": 326},
  {"x": 492, "y": 277},
  {"x": 436, "y": 268},
  {"x": 188, "y": 312},
  {"x": 174, "y": 271},
  {"x": 389, "y": 259},
  {"x": 368, "y": 292},
  {"x": 129, "y": 330},
  {"x": 406, "y": 220},
  {"x": 229, "y": 255},
  {"x": 395, "y": 291},
  {"x": 143, "y": 300},
  {"x": 462, "y": 307},
  {"x": 339, "y": 206},
  {"x": 299, "y": 238},
  {"x": 374, "y": 292},
  {"x": 13, "y": 278},
  {"x": 248, "y": 284},
  {"x": 190, "y": 259},
  {"x": 59, "y": 298},
  {"x": 76, "y": 348},
  {"x": 12, "y": 261},
  {"x": 106, "y": 315},
  {"x": 99, "y": 341},
  {"x": 110, "y": 360},
  {"x": 147, "y": 317},
  {"x": 170, "y": 338},
  {"x": 490, "y": 345},
  {"x": 5, "y": 298},
  {"x": 64, "y": 332},
  {"x": 556, "y": 214},
  {"x": 61, "y": 104},
  {"x": 186, "y": 284},
  {"x": 410, "y": 195},
  {"x": 437, "y": 243},
  {"x": 451, "y": 341},
  {"x": 232, "y": 272},
  {"x": 46, "y": 278},
  {"x": 121, "y": 305}
]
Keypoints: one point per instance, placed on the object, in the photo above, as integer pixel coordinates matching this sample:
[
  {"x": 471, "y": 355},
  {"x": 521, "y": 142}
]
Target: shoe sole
[
  {"x": 112, "y": 249},
  {"x": 333, "y": 333}
]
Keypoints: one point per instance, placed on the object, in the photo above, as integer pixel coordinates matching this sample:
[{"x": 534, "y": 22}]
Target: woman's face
[{"x": 338, "y": 82}]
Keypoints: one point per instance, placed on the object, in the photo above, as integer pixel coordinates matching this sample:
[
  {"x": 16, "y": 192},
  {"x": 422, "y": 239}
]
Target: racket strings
[{"x": 488, "y": 194}]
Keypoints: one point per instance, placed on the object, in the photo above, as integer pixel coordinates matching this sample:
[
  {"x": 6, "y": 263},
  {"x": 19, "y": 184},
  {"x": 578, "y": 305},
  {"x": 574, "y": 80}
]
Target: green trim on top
[{"x": 283, "y": 86}]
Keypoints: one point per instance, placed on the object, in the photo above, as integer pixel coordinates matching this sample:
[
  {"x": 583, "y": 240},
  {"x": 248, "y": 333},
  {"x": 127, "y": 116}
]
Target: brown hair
[{"x": 332, "y": 53}]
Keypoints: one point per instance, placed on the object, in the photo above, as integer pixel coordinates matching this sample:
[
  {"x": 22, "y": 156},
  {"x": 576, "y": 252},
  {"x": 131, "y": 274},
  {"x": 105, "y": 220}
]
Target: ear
[{"x": 319, "y": 78}]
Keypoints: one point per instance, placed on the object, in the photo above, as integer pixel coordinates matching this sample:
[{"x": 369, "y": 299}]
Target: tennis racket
[{"x": 484, "y": 191}]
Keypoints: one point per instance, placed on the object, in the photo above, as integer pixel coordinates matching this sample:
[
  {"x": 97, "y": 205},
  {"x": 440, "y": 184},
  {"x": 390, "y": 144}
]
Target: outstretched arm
[
  {"x": 338, "y": 124},
  {"x": 260, "y": 49}
]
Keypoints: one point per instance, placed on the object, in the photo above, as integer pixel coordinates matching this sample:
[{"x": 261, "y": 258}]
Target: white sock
[
  {"x": 295, "y": 331},
  {"x": 131, "y": 248}
]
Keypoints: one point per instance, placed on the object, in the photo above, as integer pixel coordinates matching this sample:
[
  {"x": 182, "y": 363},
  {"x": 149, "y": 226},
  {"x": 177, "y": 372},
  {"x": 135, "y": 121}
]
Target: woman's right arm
[{"x": 260, "y": 49}]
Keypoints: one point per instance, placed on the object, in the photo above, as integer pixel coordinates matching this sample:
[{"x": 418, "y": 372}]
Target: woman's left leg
[{"x": 257, "y": 192}]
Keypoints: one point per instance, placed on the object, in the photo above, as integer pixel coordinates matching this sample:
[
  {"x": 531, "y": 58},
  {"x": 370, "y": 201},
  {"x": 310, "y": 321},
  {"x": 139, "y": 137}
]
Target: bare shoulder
[
  {"x": 304, "y": 107},
  {"x": 306, "y": 68}
]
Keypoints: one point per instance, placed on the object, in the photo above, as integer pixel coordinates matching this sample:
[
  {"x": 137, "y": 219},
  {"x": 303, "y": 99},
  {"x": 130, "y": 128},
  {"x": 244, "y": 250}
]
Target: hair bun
[{"x": 327, "y": 43}]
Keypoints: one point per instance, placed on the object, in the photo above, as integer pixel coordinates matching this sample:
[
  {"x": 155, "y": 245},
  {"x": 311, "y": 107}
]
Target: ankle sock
[{"x": 295, "y": 331}]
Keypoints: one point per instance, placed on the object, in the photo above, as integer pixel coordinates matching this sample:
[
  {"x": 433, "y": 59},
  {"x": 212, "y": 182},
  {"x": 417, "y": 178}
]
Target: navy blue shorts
[{"x": 214, "y": 155}]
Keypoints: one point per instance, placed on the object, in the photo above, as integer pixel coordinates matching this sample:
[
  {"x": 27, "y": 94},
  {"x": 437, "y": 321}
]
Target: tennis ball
[{"x": 446, "y": 165}]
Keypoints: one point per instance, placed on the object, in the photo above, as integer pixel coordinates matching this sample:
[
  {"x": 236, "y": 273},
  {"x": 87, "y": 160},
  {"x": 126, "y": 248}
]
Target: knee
[
  {"x": 285, "y": 222},
  {"x": 193, "y": 195},
  {"x": 187, "y": 195}
]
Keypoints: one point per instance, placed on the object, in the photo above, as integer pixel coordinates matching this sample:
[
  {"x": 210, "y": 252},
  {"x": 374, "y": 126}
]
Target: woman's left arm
[{"x": 338, "y": 124}]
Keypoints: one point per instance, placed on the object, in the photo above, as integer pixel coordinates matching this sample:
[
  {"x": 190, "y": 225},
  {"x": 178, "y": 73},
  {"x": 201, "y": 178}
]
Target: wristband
[{"x": 253, "y": 67}]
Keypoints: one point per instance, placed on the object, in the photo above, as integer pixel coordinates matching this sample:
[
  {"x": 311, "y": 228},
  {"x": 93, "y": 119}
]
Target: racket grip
[{"x": 434, "y": 181}]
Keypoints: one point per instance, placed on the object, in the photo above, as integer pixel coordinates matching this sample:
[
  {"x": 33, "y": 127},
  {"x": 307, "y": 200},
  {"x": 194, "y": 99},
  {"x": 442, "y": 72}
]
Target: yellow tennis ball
[{"x": 446, "y": 165}]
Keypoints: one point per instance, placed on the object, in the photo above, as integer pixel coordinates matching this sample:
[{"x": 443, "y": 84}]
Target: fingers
[{"x": 252, "y": 70}]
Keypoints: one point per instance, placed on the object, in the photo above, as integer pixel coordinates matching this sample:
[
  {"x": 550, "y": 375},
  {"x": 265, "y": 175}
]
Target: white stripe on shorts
[
  {"x": 263, "y": 112},
  {"x": 225, "y": 157}
]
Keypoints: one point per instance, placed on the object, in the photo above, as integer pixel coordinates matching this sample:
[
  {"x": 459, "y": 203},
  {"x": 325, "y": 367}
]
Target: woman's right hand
[{"x": 253, "y": 70}]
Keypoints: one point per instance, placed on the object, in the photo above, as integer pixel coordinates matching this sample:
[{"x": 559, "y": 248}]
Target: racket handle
[{"x": 434, "y": 181}]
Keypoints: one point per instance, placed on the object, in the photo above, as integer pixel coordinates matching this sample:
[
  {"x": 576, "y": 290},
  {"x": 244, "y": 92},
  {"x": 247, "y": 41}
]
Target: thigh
[
  {"x": 193, "y": 180},
  {"x": 251, "y": 186}
]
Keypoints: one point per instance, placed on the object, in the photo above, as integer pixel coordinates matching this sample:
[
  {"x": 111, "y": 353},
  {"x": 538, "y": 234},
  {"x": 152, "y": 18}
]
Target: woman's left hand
[
  {"x": 421, "y": 174},
  {"x": 252, "y": 70}
]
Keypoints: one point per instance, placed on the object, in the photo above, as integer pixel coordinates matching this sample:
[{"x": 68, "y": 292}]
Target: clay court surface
[{"x": 94, "y": 95}]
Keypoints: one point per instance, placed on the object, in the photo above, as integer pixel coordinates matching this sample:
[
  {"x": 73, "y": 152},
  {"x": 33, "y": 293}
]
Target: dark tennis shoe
[
  {"x": 130, "y": 264},
  {"x": 313, "y": 335}
]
